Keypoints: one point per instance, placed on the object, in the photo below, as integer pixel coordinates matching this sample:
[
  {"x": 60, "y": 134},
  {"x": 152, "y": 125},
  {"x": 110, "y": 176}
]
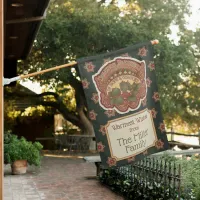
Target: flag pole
[
  {"x": 7, "y": 81},
  {"x": 48, "y": 70}
]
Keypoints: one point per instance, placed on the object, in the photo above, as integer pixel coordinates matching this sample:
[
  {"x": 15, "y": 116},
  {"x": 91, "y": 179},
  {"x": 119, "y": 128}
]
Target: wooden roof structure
[{"x": 22, "y": 20}]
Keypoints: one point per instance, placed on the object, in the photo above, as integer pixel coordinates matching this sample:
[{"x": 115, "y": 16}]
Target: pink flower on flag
[
  {"x": 100, "y": 147},
  {"x": 162, "y": 127},
  {"x": 95, "y": 97},
  {"x": 153, "y": 113},
  {"x": 151, "y": 66},
  {"x": 85, "y": 83},
  {"x": 111, "y": 162},
  {"x": 89, "y": 67},
  {"x": 131, "y": 159},
  {"x": 148, "y": 81},
  {"x": 142, "y": 52},
  {"x": 159, "y": 144},
  {"x": 110, "y": 113},
  {"x": 102, "y": 130},
  {"x": 156, "y": 96},
  {"x": 92, "y": 115},
  {"x": 144, "y": 102}
]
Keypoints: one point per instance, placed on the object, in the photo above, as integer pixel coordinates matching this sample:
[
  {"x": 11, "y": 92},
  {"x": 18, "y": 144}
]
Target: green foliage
[
  {"x": 134, "y": 188},
  {"x": 77, "y": 28},
  {"x": 190, "y": 170},
  {"x": 190, "y": 174},
  {"x": 21, "y": 149}
]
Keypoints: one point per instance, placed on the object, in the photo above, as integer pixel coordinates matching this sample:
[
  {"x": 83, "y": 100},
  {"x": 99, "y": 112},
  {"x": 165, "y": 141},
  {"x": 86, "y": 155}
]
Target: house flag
[{"x": 123, "y": 103}]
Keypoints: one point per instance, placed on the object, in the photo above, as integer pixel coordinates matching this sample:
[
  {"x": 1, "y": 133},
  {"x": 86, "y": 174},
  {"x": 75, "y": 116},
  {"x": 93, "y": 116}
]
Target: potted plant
[{"x": 18, "y": 152}]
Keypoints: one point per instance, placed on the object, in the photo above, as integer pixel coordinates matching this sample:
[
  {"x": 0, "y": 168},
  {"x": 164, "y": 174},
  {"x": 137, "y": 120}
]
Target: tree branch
[
  {"x": 37, "y": 99},
  {"x": 48, "y": 94},
  {"x": 48, "y": 103},
  {"x": 68, "y": 115}
]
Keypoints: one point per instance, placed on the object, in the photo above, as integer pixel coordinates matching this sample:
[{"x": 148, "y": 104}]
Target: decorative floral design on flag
[
  {"x": 142, "y": 52},
  {"x": 92, "y": 115},
  {"x": 95, "y": 97},
  {"x": 162, "y": 127},
  {"x": 85, "y": 84},
  {"x": 148, "y": 81},
  {"x": 100, "y": 147},
  {"x": 111, "y": 162},
  {"x": 159, "y": 144},
  {"x": 153, "y": 113},
  {"x": 89, "y": 67},
  {"x": 151, "y": 65},
  {"x": 156, "y": 96},
  {"x": 123, "y": 104},
  {"x": 102, "y": 129},
  {"x": 121, "y": 84},
  {"x": 110, "y": 113}
]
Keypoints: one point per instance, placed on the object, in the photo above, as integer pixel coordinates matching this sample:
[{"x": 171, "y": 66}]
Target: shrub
[
  {"x": 20, "y": 149},
  {"x": 190, "y": 172},
  {"x": 132, "y": 187}
]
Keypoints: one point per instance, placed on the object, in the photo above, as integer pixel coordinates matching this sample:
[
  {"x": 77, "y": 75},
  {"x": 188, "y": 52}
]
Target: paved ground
[{"x": 57, "y": 179}]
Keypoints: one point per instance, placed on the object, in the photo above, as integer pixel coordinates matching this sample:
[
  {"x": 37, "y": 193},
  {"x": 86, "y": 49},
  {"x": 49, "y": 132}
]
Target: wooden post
[{"x": 1, "y": 94}]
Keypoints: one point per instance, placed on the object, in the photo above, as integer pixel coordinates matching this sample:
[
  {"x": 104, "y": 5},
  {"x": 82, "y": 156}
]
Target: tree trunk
[{"x": 88, "y": 128}]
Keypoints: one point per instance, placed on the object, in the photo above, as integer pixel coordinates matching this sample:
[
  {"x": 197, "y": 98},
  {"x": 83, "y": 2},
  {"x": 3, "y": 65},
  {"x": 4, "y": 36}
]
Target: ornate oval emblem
[{"x": 121, "y": 84}]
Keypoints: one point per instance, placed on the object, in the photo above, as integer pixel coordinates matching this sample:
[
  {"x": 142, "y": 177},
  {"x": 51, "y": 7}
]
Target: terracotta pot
[{"x": 19, "y": 167}]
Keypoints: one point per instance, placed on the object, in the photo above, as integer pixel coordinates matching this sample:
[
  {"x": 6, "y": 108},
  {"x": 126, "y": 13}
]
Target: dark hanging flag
[{"x": 123, "y": 103}]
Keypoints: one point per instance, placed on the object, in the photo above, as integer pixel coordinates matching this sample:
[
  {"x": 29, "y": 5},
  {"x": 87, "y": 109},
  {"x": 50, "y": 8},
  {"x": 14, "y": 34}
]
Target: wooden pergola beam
[{"x": 25, "y": 20}]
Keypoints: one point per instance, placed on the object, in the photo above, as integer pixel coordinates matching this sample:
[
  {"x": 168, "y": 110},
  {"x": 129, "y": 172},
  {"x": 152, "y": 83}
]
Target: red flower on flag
[
  {"x": 131, "y": 159},
  {"x": 142, "y": 52},
  {"x": 100, "y": 147},
  {"x": 156, "y": 96},
  {"x": 85, "y": 83},
  {"x": 153, "y": 113},
  {"x": 144, "y": 102},
  {"x": 162, "y": 127},
  {"x": 159, "y": 144},
  {"x": 148, "y": 81},
  {"x": 89, "y": 67},
  {"x": 102, "y": 130},
  {"x": 151, "y": 66},
  {"x": 111, "y": 161},
  {"x": 95, "y": 97},
  {"x": 110, "y": 113},
  {"x": 92, "y": 115}
]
